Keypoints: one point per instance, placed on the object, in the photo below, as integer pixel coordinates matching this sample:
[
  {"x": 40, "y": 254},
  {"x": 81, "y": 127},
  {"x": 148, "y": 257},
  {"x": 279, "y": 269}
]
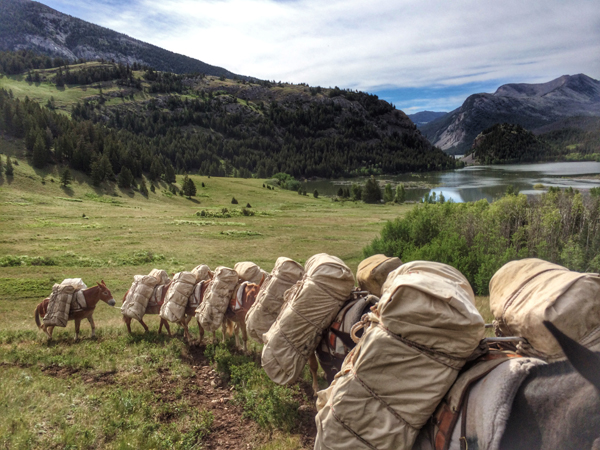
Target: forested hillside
[
  {"x": 509, "y": 143},
  {"x": 160, "y": 123},
  {"x": 506, "y": 142}
]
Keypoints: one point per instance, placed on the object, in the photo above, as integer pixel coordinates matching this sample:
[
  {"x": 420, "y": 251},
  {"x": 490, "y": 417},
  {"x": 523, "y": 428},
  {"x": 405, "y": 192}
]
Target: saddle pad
[{"x": 490, "y": 402}]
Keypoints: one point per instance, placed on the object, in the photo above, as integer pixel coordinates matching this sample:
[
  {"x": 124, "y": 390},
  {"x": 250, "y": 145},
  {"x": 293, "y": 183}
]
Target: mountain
[
  {"x": 25, "y": 24},
  {"x": 533, "y": 106},
  {"x": 423, "y": 117}
]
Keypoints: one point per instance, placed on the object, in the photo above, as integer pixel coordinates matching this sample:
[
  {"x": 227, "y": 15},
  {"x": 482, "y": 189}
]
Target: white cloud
[{"x": 366, "y": 45}]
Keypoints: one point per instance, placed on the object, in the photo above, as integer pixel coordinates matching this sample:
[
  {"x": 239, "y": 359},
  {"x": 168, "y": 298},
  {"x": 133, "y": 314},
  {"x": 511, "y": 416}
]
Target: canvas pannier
[
  {"x": 77, "y": 283},
  {"x": 311, "y": 305},
  {"x": 373, "y": 271},
  {"x": 160, "y": 275},
  {"x": 525, "y": 293},
  {"x": 248, "y": 271},
  {"x": 202, "y": 273},
  {"x": 422, "y": 331},
  {"x": 176, "y": 298},
  {"x": 136, "y": 301},
  {"x": 265, "y": 310},
  {"x": 211, "y": 311},
  {"x": 60, "y": 301}
]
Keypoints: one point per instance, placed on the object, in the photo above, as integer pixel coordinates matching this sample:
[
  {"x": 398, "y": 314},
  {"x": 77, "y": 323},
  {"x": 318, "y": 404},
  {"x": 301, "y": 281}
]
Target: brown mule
[
  {"x": 234, "y": 322},
  {"x": 92, "y": 296},
  {"x": 153, "y": 308}
]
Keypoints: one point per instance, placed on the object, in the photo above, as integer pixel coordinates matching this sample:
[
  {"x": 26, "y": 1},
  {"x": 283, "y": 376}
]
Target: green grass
[
  {"x": 45, "y": 237},
  {"x": 108, "y": 392}
]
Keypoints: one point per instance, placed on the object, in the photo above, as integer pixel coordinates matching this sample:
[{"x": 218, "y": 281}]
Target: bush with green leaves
[{"x": 478, "y": 238}]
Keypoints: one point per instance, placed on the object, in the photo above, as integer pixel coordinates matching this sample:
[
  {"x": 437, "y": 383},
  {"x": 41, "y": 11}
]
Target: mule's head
[{"x": 105, "y": 294}]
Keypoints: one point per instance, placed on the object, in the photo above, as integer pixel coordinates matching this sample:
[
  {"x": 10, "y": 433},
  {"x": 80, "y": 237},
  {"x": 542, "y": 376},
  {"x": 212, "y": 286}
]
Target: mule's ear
[
  {"x": 102, "y": 281},
  {"x": 585, "y": 361},
  {"x": 98, "y": 284}
]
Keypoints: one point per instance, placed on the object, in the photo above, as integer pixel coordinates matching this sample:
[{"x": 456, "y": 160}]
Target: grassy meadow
[{"x": 150, "y": 391}]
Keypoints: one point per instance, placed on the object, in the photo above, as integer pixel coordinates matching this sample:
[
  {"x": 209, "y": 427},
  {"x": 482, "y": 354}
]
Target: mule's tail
[
  {"x": 585, "y": 361},
  {"x": 37, "y": 316}
]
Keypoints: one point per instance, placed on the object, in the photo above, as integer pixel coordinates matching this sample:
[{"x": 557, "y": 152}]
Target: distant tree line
[{"x": 14, "y": 63}]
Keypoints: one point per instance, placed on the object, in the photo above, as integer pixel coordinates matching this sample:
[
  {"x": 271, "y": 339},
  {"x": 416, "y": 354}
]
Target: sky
[{"x": 417, "y": 54}]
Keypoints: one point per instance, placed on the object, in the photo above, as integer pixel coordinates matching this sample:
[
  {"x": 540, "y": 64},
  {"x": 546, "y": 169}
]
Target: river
[{"x": 478, "y": 182}]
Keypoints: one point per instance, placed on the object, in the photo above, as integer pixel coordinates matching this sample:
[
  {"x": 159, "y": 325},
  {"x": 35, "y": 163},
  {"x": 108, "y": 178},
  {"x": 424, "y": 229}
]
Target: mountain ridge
[
  {"x": 29, "y": 25},
  {"x": 531, "y": 106},
  {"x": 423, "y": 117}
]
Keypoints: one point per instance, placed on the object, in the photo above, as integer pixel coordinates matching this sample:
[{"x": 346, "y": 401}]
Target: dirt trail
[{"x": 230, "y": 430}]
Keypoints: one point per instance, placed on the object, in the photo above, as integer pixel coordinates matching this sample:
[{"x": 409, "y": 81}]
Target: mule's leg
[
  {"x": 144, "y": 325},
  {"x": 314, "y": 366},
  {"x": 93, "y": 325},
  {"x": 200, "y": 330},
  {"x": 48, "y": 329},
  {"x": 186, "y": 333},
  {"x": 166, "y": 324},
  {"x": 236, "y": 335},
  {"x": 244, "y": 336},
  {"x": 77, "y": 325},
  {"x": 224, "y": 329},
  {"x": 187, "y": 319},
  {"x": 127, "y": 321}
]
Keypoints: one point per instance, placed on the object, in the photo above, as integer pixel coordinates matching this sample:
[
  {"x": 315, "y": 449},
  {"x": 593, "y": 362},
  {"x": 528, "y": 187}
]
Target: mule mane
[{"x": 554, "y": 369}]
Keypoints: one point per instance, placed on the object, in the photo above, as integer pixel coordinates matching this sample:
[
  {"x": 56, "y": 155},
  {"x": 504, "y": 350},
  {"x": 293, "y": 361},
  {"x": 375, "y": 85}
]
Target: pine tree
[
  {"x": 388, "y": 194},
  {"x": 97, "y": 173},
  {"x": 8, "y": 170},
  {"x": 189, "y": 188},
  {"x": 356, "y": 191},
  {"x": 40, "y": 153},
  {"x": 152, "y": 188},
  {"x": 316, "y": 194},
  {"x": 125, "y": 178},
  {"x": 400, "y": 194},
  {"x": 170, "y": 173},
  {"x": 156, "y": 169},
  {"x": 66, "y": 177},
  {"x": 371, "y": 192},
  {"x": 234, "y": 201},
  {"x": 143, "y": 188}
]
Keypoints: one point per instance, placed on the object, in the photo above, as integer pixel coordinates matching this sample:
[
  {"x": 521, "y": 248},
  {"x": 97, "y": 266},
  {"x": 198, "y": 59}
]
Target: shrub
[
  {"x": 371, "y": 192},
  {"x": 316, "y": 194},
  {"x": 478, "y": 238},
  {"x": 234, "y": 201}
]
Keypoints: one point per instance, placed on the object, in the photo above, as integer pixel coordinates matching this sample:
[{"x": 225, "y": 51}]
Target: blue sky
[{"x": 419, "y": 55}]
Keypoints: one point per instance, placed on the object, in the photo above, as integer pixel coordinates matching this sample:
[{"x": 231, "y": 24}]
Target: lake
[{"x": 478, "y": 182}]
